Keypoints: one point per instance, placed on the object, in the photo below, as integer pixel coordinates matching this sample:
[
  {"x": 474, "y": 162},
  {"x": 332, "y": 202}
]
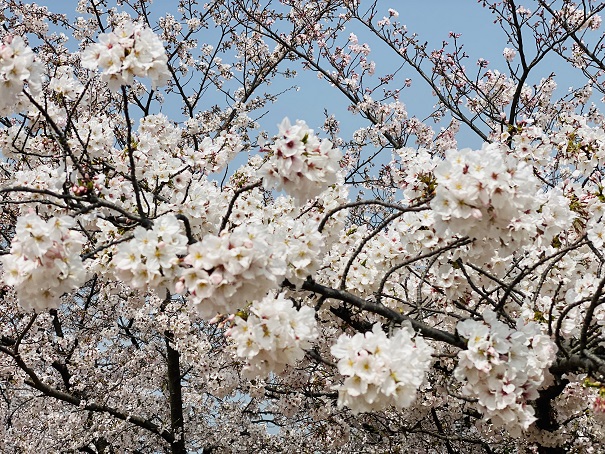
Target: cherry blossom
[
  {"x": 18, "y": 66},
  {"x": 400, "y": 274},
  {"x": 504, "y": 368},
  {"x": 380, "y": 371},
  {"x": 228, "y": 270},
  {"x": 273, "y": 334},
  {"x": 44, "y": 261},
  {"x": 301, "y": 164},
  {"x": 131, "y": 50},
  {"x": 151, "y": 258}
]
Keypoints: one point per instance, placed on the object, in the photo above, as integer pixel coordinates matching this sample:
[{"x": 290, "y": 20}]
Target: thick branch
[
  {"x": 376, "y": 308},
  {"x": 176, "y": 397}
]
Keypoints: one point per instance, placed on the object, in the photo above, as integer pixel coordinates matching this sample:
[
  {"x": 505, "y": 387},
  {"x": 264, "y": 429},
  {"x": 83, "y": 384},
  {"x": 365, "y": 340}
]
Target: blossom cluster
[
  {"x": 131, "y": 50},
  {"x": 44, "y": 260},
  {"x": 300, "y": 164},
  {"x": 17, "y": 67},
  {"x": 496, "y": 89},
  {"x": 380, "y": 370},
  {"x": 573, "y": 16},
  {"x": 42, "y": 178},
  {"x": 227, "y": 270},
  {"x": 273, "y": 334},
  {"x": 151, "y": 258},
  {"x": 65, "y": 84},
  {"x": 214, "y": 154},
  {"x": 503, "y": 368},
  {"x": 96, "y": 132},
  {"x": 303, "y": 248},
  {"x": 485, "y": 194},
  {"x": 414, "y": 173},
  {"x": 509, "y": 54},
  {"x": 157, "y": 149}
]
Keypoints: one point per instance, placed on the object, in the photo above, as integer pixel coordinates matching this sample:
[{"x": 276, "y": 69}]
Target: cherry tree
[{"x": 177, "y": 278}]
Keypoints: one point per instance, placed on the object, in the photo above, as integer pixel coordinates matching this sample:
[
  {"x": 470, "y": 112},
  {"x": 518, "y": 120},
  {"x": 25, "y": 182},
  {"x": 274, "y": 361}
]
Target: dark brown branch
[
  {"x": 236, "y": 194},
  {"x": 175, "y": 396},
  {"x": 390, "y": 314}
]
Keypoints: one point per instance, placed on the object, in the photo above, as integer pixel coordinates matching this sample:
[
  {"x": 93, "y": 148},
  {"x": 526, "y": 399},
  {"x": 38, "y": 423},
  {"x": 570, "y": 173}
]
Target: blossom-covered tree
[{"x": 175, "y": 278}]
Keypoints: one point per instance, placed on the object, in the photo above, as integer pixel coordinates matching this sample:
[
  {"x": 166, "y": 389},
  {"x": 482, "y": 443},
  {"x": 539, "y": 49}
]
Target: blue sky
[{"x": 432, "y": 20}]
